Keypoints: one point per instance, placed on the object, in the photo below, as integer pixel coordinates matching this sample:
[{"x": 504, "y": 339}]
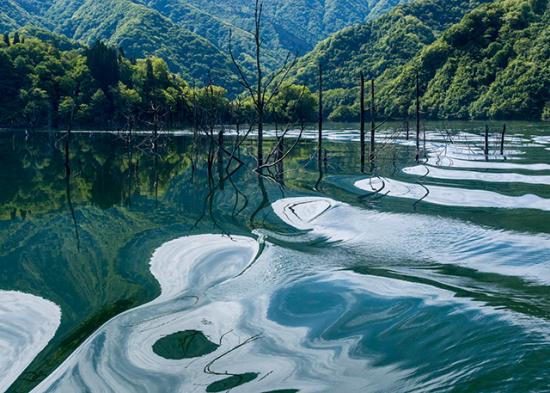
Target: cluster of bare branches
[{"x": 264, "y": 88}]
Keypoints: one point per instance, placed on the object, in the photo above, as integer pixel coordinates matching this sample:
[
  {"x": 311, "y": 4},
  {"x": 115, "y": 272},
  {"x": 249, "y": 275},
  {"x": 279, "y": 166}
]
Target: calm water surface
[{"x": 143, "y": 266}]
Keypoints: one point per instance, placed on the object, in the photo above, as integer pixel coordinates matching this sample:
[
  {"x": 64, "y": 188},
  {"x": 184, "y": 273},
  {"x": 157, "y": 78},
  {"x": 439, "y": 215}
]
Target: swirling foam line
[
  {"x": 27, "y": 324},
  {"x": 119, "y": 357},
  {"x": 394, "y": 236},
  {"x": 489, "y": 177},
  {"x": 452, "y": 196}
]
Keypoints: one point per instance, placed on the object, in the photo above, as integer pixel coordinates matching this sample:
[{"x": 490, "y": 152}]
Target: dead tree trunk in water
[
  {"x": 220, "y": 160},
  {"x": 486, "y": 149},
  {"x": 417, "y": 118},
  {"x": 260, "y": 103},
  {"x": 372, "y": 122},
  {"x": 68, "y": 174},
  {"x": 362, "y": 120},
  {"x": 502, "y": 140},
  {"x": 67, "y": 148},
  {"x": 320, "y": 141},
  {"x": 258, "y": 91},
  {"x": 195, "y": 115},
  {"x": 279, "y": 157}
]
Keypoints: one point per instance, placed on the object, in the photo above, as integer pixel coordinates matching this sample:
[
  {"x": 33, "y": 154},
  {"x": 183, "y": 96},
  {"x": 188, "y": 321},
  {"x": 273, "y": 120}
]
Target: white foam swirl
[
  {"x": 452, "y": 196},
  {"x": 27, "y": 324},
  {"x": 391, "y": 236},
  {"x": 491, "y": 177}
]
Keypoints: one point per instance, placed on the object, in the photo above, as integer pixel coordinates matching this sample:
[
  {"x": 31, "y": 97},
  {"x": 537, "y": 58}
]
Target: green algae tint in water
[
  {"x": 183, "y": 345},
  {"x": 428, "y": 276}
]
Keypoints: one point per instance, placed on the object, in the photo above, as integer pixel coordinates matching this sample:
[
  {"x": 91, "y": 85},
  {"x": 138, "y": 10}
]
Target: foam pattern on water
[{"x": 27, "y": 324}]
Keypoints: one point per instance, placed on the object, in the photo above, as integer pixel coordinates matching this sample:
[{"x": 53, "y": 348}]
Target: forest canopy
[
  {"x": 475, "y": 59},
  {"x": 46, "y": 87}
]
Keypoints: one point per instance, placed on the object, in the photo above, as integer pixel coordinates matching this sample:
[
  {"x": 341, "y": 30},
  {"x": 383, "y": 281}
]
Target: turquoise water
[{"x": 160, "y": 266}]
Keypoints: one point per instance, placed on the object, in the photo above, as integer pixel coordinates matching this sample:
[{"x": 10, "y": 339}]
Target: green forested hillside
[
  {"x": 15, "y": 13},
  {"x": 383, "y": 43},
  {"x": 474, "y": 60},
  {"x": 295, "y": 25},
  {"x": 55, "y": 83},
  {"x": 192, "y": 35},
  {"x": 140, "y": 32},
  {"x": 44, "y": 86},
  {"x": 495, "y": 63}
]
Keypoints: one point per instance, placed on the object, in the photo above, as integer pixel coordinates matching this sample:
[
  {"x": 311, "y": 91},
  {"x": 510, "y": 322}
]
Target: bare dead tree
[
  {"x": 265, "y": 87},
  {"x": 362, "y": 121},
  {"x": 417, "y": 117},
  {"x": 276, "y": 152},
  {"x": 502, "y": 136},
  {"x": 372, "y": 121},
  {"x": 486, "y": 145},
  {"x": 320, "y": 137}
]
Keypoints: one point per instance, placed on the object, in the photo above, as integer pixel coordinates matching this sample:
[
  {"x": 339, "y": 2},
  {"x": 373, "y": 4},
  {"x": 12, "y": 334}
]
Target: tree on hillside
[
  {"x": 10, "y": 84},
  {"x": 102, "y": 61},
  {"x": 103, "y": 64}
]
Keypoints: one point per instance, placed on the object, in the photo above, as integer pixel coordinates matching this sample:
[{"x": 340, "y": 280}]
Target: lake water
[{"x": 154, "y": 266}]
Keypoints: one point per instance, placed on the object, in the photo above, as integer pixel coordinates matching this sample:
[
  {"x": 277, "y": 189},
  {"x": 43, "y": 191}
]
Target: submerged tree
[{"x": 265, "y": 87}]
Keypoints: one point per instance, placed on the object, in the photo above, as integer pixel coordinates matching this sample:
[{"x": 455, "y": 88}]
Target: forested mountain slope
[
  {"x": 495, "y": 63},
  {"x": 193, "y": 35},
  {"x": 388, "y": 41},
  {"x": 141, "y": 31},
  {"x": 16, "y": 13},
  {"x": 295, "y": 25},
  {"x": 475, "y": 59}
]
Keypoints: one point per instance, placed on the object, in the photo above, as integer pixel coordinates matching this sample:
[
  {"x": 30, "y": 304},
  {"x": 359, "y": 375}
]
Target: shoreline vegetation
[
  {"x": 41, "y": 82},
  {"x": 113, "y": 93},
  {"x": 473, "y": 60}
]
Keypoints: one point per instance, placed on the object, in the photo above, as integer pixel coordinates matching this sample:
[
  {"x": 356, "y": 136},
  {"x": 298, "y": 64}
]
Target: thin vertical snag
[
  {"x": 372, "y": 121},
  {"x": 417, "y": 117},
  {"x": 260, "y": 95},
  {"x": 486, "y": 142},
  {"x": 320, "y": 141},
  {"x": 362, "y": 121},
  {"x": 502, "y": 140},
  {"x": 261, "y": 92}
]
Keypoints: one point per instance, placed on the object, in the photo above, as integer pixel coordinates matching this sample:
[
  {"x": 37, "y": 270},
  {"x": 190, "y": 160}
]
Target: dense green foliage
[
  {"x": 475, "y": 58},
  {"x": 494, "y": 64},
  {"x": 99, "y": 87},
  {"x": 491, "y": 63},
  {"x": 45, "y": 86},
  {"x": 387, "y": 42},
  {"x": 192, "y": 36}
]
